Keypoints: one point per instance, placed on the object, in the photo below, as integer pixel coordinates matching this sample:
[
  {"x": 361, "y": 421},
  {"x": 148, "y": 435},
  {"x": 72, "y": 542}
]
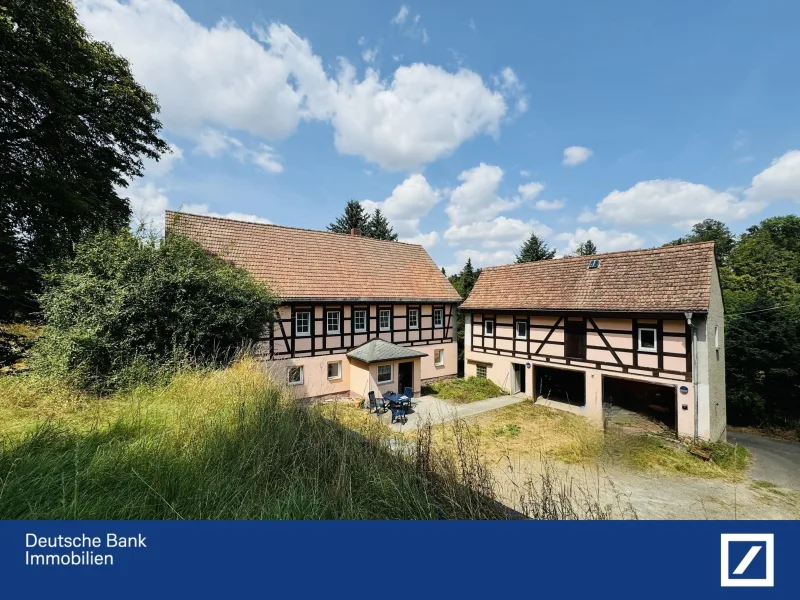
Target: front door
[
  {"x": 518, "y": 379},
  {"x": 405, "y": 376}
]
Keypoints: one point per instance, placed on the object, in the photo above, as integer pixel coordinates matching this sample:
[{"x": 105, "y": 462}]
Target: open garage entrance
[
  {"x": 624, "y": 400},
  {"x": 561, "y": 385}
]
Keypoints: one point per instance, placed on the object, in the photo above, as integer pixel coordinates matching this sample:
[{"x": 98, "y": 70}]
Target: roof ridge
[
  {"x": 666, "y": 248},
  {"x": 239, "y": 221}
]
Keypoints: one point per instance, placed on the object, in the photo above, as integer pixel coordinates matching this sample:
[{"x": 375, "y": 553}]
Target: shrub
[{"x": 129, "y": 307}]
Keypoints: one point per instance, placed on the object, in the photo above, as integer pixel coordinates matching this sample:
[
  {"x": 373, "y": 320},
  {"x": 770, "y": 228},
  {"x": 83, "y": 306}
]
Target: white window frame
[
  {"x": 328, "y": 329},
  {"x": 388, "y": 322},
  {"x": 485, "y": 323},
  {"x": 391, "y": 374},
  {"x": 478, "y": 371},
  {"x": 297, "y": 331},
  {"x": 440, "y": 362},
  {"x": 415, "y": 312},
  {"x": 338, "y": 364},
  {"x": 356, "y": 328},
  {"x": 438, "y": 322},
  {"x": 655, "y": 339},
  {"x": 289, "y": 376},
  {"x": 517, "y": 335}
]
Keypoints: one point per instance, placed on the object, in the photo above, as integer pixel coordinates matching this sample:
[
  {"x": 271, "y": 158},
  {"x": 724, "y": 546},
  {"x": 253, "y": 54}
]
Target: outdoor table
[{"x": 396, "y": 399}]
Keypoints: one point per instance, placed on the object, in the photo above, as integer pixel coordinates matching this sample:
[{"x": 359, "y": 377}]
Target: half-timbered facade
[
  {"x": 641, "y": 329},
  {"x": 338, "y": 292}
]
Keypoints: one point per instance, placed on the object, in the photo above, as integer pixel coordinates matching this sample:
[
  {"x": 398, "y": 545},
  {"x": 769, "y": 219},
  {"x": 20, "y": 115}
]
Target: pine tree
[
  {"x": 587, "y": 248},
  {"x": 354, "y": 217},
  {"x": 534, "y": 249},
  {"x": 379, "y": 227}
]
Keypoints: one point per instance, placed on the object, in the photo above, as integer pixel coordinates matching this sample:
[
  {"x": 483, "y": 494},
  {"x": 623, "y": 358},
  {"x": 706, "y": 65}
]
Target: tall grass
[
  {"x": 229, "y": 444},
  {"x": 461, "y": 391}
]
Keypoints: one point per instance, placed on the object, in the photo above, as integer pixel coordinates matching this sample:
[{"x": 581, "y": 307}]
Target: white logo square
[{"x": 768, "y": 541}]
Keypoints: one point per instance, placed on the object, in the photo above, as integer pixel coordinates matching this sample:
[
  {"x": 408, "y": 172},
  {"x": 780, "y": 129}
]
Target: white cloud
[
  {"x": 779, "y": 181},
  {"x": 499, "y": 232},
  {"x": 422, "y": 114},
  {"x": 428, "y": 240},
  {"x": 221, "y": 78},
  {"x": 408, "y": 203},
  {"x": 401, "y": 16},
  {"x": 214, "y": 143},
  {"x": 671, "y": 202},
  {"x": 550, "y": 204},
  {"x": 605, "y": 240},
  {"x": 482, "y": 258},
  {"x": 164, "y": 164},
  {"x": 202, "y": 209},
  {"x": 587, "y": 216},
  {"x": 575, "y": 155},
  {"x": 369, "y": 55},
  {"x": 530, "y": 190},
  {"x": 148, "y": 203},
  {"x": 524, "y": 173},
  {"x": 476, "y": 199},
  {"x": 512, "y": 88}
]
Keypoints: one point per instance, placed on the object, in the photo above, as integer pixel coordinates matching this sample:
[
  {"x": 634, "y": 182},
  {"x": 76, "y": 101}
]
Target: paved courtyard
[{"x": 435, "y": 410}]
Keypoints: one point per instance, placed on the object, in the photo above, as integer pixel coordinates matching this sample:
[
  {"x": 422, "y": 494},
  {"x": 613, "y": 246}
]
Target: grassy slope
[
  {"x": 526, "y": 429},
  {"x": 461, "y": 391},
  {"x": 216, "y": 445}
]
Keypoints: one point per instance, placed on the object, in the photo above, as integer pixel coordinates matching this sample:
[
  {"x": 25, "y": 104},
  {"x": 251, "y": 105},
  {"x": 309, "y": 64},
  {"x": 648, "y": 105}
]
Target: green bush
[
  {"x": 460, "y": 390},
  {"x": 128, "y": 308}
]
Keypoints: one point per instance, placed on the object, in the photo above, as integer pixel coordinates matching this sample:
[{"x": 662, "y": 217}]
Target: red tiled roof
[
  {"x": 307, "y": 264},
  {"x": 667, "y": 279}
]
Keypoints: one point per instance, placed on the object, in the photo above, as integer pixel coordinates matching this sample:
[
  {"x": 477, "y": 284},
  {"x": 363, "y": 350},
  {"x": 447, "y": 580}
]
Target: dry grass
[
  {"x": 529, "y": 431},
  {"x": 462, "y": 391}
]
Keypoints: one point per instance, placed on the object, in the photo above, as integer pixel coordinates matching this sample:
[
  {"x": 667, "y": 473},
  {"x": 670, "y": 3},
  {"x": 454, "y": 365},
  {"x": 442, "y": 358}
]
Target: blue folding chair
[
  {"x": 409, "y": 393},
  {"x": 398, "y": 412},
  {"x": 376, "y": 404}
]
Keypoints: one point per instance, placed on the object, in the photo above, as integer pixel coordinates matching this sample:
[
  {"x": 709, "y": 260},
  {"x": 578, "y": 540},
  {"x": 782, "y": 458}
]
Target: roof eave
[
  {"x": 364, "y": 300},
  {"x": 594, "y": 311}
]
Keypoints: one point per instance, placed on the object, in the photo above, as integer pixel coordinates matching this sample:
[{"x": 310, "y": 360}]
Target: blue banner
[{"x": 219, "y": 559}]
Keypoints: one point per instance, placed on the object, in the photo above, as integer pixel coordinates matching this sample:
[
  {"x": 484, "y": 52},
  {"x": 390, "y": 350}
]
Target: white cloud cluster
[
  {"x": 575, "y": 155},
  {"x": 212, "y": 142},
  {"x": 476, "y": 199},
  {"x": 408, "y": 203},
  {"x": 221, "y": 78},
  {"x": 779, "y": 181},
  {"x": 529, "y": 191},
  {"x": 202, "y": 209},
  {"x": 670, "y": 202}
]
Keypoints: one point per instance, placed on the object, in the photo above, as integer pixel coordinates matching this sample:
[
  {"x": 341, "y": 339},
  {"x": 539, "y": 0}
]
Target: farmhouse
[
  {"x": 642, "y": 329},
  {"x": 356, "y": 314}
]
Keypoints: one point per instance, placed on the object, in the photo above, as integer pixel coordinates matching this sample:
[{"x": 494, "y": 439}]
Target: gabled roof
[
  {"x": 302, "y": 264},
  {"x": 378, "y": 350},
  {"x": 667, "y": 279}
]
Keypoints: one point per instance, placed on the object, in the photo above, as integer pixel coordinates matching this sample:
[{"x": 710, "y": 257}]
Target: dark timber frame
[
  {"x": 591, "y": 327},
  {"x": 287, "y": 336}
]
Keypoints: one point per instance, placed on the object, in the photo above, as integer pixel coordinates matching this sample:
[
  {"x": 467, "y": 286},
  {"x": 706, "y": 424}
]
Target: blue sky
[{"x": 470, "y": 123}]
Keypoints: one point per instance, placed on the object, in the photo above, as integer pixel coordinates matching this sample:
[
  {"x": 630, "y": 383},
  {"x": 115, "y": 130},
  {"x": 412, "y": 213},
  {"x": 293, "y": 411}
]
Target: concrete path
[
  {"x": 776, "y": 461},
  {"x": 436, "y": 410}
]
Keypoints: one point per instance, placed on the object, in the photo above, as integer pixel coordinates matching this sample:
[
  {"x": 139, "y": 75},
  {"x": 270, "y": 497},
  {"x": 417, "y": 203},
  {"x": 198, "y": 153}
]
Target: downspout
[{"x": 694, "y": 376}]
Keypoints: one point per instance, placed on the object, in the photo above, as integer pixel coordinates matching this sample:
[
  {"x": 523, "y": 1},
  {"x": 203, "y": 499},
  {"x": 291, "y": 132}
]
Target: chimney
[{"x": 355, "y": 232}]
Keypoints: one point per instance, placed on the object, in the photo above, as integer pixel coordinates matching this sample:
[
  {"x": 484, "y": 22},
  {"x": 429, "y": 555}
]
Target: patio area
[{"x": 435, "y": 410}]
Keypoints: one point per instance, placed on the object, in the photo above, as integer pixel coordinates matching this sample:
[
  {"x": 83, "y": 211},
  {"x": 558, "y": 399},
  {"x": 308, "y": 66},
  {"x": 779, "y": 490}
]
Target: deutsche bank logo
[{"x": 748, "y": 559}]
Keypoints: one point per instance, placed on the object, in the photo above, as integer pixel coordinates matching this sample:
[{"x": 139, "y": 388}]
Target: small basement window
[
  {"x": 335, "y": 370},
  {"x": 385, "y": 320},
  {"x": 294, "y": 375},
  {"x": 522, "y": 329},
  {"x": 385, "y": 374},
  {"x": 438, "y": 357},
  {"x": 488, "y": 327},
  {"x": 481, "y": 371},
  {"x": 647, "y": 339}
]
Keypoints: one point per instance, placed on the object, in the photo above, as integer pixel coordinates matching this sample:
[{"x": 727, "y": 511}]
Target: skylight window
[{"x": 594, "y": 263}]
